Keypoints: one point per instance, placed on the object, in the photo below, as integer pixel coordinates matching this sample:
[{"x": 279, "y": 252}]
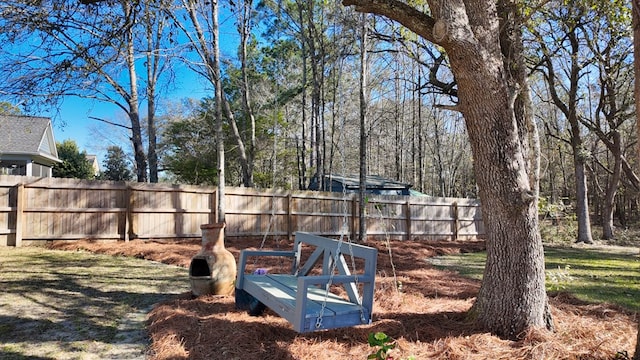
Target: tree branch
[{"x": 413, "y": 19}]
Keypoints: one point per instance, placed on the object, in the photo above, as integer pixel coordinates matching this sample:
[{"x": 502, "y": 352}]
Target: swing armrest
[
  {"x": 245, "y": 254},
  {"x": 284, "y": 253}
]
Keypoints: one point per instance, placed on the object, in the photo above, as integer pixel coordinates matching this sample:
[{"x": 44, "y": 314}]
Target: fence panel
[
  {"x": 36, "y": 209},
  {"x": 158, "y": 210},
  {"x": 255, "y": 213}
]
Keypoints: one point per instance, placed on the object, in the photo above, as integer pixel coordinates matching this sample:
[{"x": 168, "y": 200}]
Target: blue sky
[{"x": 72, "y": 120}]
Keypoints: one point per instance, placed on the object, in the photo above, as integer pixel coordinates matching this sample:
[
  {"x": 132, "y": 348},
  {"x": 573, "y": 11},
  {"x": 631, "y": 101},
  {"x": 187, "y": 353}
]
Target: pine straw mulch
[{"x": 426, "y": 318}]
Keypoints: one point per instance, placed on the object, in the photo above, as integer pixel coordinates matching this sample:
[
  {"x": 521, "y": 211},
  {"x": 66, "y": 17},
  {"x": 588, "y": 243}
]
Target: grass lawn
[
  {"x": 594, "y": 274},
  {"x": 79, "y": 305}
]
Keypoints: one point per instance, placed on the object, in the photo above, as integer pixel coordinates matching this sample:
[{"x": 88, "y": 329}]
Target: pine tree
[
  {"x": 74, "y": 162},
  {"x": 116, "y": 166}
]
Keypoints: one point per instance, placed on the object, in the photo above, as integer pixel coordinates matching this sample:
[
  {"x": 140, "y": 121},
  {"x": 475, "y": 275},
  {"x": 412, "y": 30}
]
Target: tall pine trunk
[{"x": 363, "y": 132}]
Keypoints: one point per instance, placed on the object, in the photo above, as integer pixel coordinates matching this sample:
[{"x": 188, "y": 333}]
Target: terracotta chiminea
[{"x": 213, "y": 269}]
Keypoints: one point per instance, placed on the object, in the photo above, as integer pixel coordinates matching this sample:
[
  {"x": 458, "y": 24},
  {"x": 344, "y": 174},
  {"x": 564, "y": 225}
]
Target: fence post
[
  {"x": 19, "y": 213},
  {"x": 456, "y": 225},
  {"x": 408, "y": 220}
]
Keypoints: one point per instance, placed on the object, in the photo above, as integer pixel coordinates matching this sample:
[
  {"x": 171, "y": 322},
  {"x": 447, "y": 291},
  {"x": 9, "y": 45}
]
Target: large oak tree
[{"x": 483, "y": 41}]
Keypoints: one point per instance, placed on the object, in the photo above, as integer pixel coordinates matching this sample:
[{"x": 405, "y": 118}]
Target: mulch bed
[{"x": 422, "y": 308}]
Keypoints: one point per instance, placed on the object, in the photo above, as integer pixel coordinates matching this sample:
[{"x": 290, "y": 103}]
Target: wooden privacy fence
[{"x": 33, "y": 210}]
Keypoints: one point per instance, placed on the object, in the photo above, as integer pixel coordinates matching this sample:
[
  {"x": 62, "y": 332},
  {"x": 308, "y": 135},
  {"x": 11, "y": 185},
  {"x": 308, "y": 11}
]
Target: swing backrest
[{"x": 326, "y": 251}]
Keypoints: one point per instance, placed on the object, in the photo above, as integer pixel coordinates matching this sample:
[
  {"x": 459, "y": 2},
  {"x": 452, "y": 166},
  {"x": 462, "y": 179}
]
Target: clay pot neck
[{"x": 213, "y": 235}]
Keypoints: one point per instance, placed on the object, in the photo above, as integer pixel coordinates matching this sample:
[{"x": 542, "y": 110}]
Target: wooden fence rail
[{"x": 34, "y": 210}]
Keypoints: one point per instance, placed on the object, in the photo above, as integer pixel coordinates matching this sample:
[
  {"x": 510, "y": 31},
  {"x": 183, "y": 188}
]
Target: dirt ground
[{"x": 422, "y": 309}]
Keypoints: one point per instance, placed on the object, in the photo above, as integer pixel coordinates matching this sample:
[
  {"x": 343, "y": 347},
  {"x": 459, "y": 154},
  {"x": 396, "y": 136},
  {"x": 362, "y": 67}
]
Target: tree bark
[
  {"x": 582, "y": 199},
  {"x": 362, "y": 218},
  {"x": 133, "y": 111},
  {"x": 219, "y": 121},
  {"x": 154, "y": 31},
  {"x": 244, "y": 28},
  {"x": 492, "y": 98},
  {"x": 608, "y": 207}
]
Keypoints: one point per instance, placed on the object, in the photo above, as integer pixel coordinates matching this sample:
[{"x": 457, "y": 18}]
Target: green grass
[
  {"x": 596, "y": 275},
  {"x": 74, "y": 304}
]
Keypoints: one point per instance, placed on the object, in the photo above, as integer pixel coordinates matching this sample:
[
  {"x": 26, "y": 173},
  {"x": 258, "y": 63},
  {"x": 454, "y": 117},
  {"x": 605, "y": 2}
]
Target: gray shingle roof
[
  {"x": 22, "y": 134},
  {"x": 373, "y": 182}
]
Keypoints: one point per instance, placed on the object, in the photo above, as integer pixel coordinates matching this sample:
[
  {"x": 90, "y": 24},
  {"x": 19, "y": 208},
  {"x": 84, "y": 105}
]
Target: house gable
[
  {"x": 48, "y": 144},
  {"x": 27, "y": 146}
]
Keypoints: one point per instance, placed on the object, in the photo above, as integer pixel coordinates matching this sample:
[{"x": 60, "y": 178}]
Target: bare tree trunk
[
  {"x": 133, "y": 111},
  {"x": 570, "y": 111},
  {"x": 154, "y": 27},
  {"x": 152, "y": 134},
  {"x": 219, "y": 94},
  {"x": 247, "y": 176},
  {"x": 244, "y": 28},
  {"x": 152, "y": 69},
  {"x": 438, "y": 157},
  {"x": 582, "y": 200},
  {"x": 207, "y": 51},
  {"x": 612, "y": 188},
  {"x": 362, "y": 235},
  {"x": 421, "y": 162},
  {"x": 302, "y": 159},
  {"x": 314, "y": 40},
  {"x": 398, "y": 127}
]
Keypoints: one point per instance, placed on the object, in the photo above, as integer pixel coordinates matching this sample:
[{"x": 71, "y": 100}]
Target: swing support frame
[{"x": 303, "y": 297}]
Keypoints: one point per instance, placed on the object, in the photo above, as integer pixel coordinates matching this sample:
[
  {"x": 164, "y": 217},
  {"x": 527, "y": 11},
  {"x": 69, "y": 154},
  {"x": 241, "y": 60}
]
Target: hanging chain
[
  {"x": 345, "y": 230},
  {"x": 357, "y": 283},
  {"x": 334, "y": 262},
  {"x": 264, "y": 236}
]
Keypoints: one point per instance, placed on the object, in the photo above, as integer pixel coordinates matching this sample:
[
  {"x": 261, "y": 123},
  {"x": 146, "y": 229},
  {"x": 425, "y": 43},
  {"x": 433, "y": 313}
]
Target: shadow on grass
[
  {"x": 70, "y": 303},
  {"x": 11, "y": 355}
]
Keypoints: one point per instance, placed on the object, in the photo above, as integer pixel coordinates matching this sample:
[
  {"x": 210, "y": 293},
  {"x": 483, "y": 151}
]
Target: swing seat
[{"x": 301, "y": 298}]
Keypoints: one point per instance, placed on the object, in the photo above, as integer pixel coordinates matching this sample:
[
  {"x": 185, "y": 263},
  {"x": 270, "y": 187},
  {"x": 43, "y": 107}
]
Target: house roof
[
  {"x": 27, "y": 135},
  {"x": 373, "y": 182},
  {"x": 352, "y": 182}
]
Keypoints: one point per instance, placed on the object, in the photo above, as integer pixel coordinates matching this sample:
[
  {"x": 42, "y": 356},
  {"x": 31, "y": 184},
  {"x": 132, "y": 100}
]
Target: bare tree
[
  {"x": 245, "y": 23},
  {"x": 83, "y": 49},
  {"x": 157, "y": 60},
  {"x": 362, "y": 235},
  {"x": 202, "y": 33},
  {"x": 614, "y": 107},
  {"x": 565, "y": 27}
]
